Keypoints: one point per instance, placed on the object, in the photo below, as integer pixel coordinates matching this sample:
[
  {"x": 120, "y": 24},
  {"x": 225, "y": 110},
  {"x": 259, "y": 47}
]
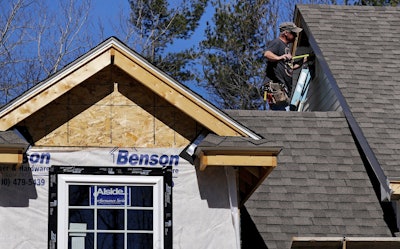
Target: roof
[
  {"x": 359, "y": 45},
  {"x": 13, "y": 139},
  {"x": 320, "y": 187},
  {"x": 114, "y": 52},
  {"x": 346, "y": 242},
  {"x": 12, "y": 147},
  {"x": 254, "y": 159},
  {"x": 114, "y": 57}
]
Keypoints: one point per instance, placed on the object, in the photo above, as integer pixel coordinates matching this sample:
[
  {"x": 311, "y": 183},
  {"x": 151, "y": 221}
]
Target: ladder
[{"x": 300, "y": 92}]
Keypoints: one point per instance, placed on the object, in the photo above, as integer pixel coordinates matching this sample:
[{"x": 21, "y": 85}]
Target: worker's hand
[{"x": 286, "y": 57}]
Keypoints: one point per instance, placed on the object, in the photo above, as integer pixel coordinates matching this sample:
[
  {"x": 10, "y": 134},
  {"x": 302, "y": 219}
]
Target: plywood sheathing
[
  {"x": 173, "y": 95},
  {"x": 49, "y": 94},
  {"x": 111, "y": 109}
]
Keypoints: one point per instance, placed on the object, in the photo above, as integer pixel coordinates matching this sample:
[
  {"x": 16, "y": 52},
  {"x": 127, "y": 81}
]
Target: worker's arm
[{"x": 273, "y": 57}]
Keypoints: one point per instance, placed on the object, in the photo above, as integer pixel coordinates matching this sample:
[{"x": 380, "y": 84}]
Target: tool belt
[{"x": 276, "y": 94}]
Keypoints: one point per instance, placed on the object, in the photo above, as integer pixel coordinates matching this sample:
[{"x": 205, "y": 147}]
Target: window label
[{"x": 109, "y": 196}]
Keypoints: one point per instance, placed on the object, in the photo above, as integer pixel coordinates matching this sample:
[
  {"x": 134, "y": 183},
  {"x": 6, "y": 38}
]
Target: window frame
[{"x": 159, "y": 178}]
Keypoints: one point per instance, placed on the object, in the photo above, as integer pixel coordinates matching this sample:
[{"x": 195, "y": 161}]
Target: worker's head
[{"x": 289, "y": 31}]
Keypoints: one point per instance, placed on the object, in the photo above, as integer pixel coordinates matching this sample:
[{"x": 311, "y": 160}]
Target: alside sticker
[{"x": 110, "y": 196}]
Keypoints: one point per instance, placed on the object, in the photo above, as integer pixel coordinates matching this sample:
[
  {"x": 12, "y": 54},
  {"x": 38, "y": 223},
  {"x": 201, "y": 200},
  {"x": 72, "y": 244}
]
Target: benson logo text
[{"x": 124, "y": 157}]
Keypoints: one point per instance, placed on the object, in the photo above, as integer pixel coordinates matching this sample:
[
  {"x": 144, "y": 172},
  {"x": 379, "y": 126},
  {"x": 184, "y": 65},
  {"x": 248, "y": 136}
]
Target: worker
[{"x": 280, "y": 66}]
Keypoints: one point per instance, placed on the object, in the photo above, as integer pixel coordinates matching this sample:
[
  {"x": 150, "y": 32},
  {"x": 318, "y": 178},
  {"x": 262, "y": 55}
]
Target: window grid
[{"x": 96, "y": 207}]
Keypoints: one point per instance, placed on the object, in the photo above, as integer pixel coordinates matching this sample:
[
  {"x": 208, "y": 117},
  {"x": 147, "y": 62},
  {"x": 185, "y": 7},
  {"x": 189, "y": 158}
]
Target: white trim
[
  {"x": 63, "y": 193},
  {"x": 233, "y": 201}
]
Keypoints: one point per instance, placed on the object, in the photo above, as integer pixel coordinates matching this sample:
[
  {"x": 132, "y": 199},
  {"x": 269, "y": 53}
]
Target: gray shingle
[
  {"x": 359, "y": 44},
  {"x": 320, "y": 187},
  {"x": 13, "y": 139}
]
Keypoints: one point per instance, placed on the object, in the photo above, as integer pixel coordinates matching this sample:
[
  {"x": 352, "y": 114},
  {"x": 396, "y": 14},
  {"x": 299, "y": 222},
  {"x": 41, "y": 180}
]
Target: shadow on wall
[
  {"x": 17, "y": 186},
  {"x": 251, "y": 237},
  {"x": 213, "y": 187}
]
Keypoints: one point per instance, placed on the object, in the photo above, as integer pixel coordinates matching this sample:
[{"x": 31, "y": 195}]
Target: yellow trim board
[
  {"x": 11, "y": 158},
  {"x": 237, "y": 160}
]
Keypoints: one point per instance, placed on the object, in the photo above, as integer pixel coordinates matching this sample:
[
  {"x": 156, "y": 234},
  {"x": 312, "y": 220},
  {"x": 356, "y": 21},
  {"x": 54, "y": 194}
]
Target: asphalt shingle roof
[
  {"x": 360, "y": 46},
  {"x": 11, "y": 138},
  {"x": 320, "y": 187}
]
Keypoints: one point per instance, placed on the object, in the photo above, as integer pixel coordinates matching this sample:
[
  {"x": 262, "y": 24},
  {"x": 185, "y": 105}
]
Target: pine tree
[
  {"x": 232, "y": 53},
  {"x": 157, "y": 24}
]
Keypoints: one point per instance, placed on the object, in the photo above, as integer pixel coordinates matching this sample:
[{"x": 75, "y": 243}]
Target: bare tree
[
  {"x": 36, "y": 41},
  {"x": 15, "y": 24},
  {"x": 61, "y": 36}
]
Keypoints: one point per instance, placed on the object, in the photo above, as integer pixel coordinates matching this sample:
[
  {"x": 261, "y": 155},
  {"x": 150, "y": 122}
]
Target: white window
[{"x": 109, "y": 212}]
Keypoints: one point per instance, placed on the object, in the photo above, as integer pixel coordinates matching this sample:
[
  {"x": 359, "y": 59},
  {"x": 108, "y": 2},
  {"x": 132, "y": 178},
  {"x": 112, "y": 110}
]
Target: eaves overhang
[
  {"x": 12, "y": 148},
  {"x": 253, "y": 164}
]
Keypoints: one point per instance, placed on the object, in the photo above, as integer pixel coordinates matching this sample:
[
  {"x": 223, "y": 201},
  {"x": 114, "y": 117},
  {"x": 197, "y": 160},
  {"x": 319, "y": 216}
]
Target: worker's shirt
[{"x": 279, "y": 71}]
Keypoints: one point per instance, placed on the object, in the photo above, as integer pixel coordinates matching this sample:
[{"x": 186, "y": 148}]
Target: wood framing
[
  {"x": 207, "y": 160},
  {"x": 250, "y": 178},
  {"x": 395, "y": 186},
  {"x": 114, "y": 110},
  {"x": 33, "y": 103}
]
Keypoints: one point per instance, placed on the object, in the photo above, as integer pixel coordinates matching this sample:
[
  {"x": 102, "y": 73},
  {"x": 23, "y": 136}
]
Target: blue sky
[{"x": 108, "y": 11}]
